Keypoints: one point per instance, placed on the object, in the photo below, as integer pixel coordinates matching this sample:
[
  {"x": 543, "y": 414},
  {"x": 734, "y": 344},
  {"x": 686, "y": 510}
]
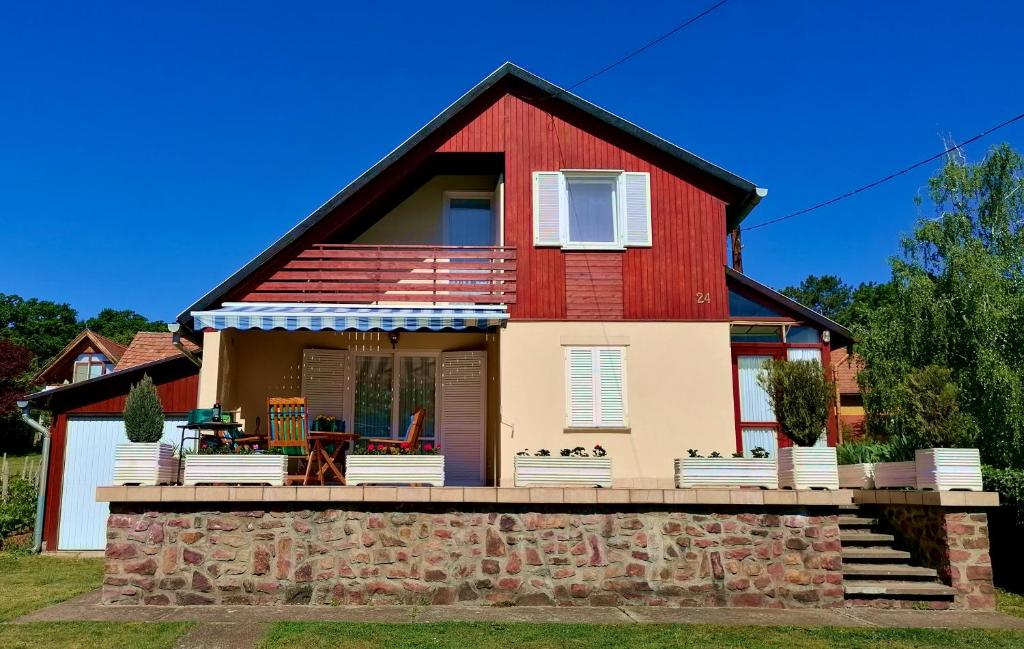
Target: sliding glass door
[{"x": 389, "y": 388}]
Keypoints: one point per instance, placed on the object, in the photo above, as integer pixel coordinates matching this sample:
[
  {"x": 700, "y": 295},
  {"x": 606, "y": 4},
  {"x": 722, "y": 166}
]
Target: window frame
[
  {"x": 397, "y": 428},
  {"x": 595, "y": 424},
  {"x": 595, "y": 176},
  {"x": 89, "y": 361}
]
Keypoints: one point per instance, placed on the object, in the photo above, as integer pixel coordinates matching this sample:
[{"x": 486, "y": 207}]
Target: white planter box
[
  {"x": 558, "y": 470},
  {"x": 808, "y": 467},
  {"x": 726, "y": 472},
  {"x": 149, "y": 463},
  {"x": 946, "y": 469},
  {"x": 857, "y": 476},
  {"x": 256, "y": 468},
  {"x": 895, "y": 475},
  {"x": 395, "y": 469}
]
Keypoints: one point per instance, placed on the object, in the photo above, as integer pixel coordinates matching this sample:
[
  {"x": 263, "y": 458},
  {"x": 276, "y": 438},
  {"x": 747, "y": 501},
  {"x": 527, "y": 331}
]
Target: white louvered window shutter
[
  {"x": 635, "y": 189},
  {"x": 324, "y": 382},
  {"x": 547, "y": 208},
  {"x": 596, "y": 381},
  {"x": 463, "y": 417},
  {"x": 580, "y": 376},
  {"x": 612, "y": 387}
]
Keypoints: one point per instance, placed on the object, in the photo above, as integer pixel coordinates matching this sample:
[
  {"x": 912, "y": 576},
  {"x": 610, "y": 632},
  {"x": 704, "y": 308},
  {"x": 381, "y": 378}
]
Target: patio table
[{"x": 325, "y": 461}]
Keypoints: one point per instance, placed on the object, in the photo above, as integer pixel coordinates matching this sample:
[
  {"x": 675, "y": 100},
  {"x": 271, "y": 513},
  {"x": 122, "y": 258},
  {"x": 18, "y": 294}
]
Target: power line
[
  {"x": 649, "y": 45},
  {"x": 878, "y": 182}
]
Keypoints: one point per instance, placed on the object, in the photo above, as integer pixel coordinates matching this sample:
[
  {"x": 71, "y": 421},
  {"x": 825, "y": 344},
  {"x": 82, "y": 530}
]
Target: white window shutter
[
  {"x": 323, "y": 382},
  {"x": 463, "y": 417},
  {"x": 612, "y": 385},
  {"x": 547, "y": 208},
  {"x": 580, "y": 393},
  {"x": 636, "y": 208}
]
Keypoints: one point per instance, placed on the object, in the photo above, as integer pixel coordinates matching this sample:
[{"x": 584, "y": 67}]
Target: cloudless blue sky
[{"x": 148, "y": 150}]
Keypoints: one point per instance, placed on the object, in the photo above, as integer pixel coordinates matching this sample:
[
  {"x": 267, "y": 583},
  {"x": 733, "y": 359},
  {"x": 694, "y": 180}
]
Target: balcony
[{"x": 365, "y": 274}]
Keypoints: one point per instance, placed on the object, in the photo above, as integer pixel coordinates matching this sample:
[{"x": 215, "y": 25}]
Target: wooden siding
[{"x": 593, "y": 286}]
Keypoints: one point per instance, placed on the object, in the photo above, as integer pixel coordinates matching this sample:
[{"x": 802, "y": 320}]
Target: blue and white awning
[{"x": 348, "y": 317}]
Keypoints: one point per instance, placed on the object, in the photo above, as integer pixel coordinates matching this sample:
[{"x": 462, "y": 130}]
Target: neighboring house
[
  {"x": 87, "y": 423},
  {"x": 845, "y": 367},
  {"x": 534, "y": 271},
  {"x": 87, "y": 356}
]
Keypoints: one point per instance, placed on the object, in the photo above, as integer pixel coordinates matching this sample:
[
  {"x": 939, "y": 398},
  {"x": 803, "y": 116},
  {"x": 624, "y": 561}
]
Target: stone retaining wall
[
  {"x": 436, "y": 554},
  {"x": 953, "y": 542}
]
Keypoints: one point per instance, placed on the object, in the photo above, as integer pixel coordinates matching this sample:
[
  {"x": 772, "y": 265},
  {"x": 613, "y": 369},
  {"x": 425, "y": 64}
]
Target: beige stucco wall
[
  {"x": 419, "y": 218},
  {"x": 679, "y": 394}
]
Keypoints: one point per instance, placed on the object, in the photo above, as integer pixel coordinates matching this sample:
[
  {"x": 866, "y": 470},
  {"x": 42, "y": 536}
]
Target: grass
[
  {"x": 1009, "y": 603},
  {"x": 463, "y": 635},
  {"x": 91, "y": 635},
  {"x": 29, "y": 582}
]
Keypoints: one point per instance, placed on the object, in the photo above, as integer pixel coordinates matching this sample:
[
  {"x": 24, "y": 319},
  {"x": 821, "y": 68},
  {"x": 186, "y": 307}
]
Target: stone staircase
[{"x": 878, "y": 575}]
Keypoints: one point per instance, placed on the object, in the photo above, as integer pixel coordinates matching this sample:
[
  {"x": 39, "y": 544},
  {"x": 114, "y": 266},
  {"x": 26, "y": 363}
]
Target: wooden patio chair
[
  {"x": 286, "y": 428},
  {"x": 412, "y": 433}
]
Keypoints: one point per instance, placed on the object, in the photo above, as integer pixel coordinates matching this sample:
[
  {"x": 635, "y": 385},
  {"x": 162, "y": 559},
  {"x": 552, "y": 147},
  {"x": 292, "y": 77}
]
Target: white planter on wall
[
  {"x": 857, "y": 476},
  {"x": 395, "y": 469},
  {"x": 726, "y": 472},
  {"x": 150, "y": 463},
  {"x": 558, "y": 470},
  {"x": 220, "y": 468},
  {"x": 895, "y": 475},
  {"x": 946, "y": 469},
  {"x": 808, "y": 467}
]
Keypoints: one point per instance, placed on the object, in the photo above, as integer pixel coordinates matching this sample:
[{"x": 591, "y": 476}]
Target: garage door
[{"x": 89, "y": 463}]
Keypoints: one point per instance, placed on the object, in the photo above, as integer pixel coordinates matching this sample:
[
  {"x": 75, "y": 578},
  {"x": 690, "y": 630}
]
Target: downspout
[
  {"x": 175, "y": 330},
  {"x": 37, "y": 531}
]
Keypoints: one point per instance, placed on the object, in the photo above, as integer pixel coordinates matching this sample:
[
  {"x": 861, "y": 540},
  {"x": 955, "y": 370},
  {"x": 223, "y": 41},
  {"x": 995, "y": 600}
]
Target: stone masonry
[
  {"x": 430, "y": 554},
  {"x": 953, "y": 542}
]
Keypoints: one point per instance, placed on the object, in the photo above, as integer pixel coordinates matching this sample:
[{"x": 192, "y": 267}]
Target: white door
[
  {"x": 463, "y": 434},
  {"x": 89, "y": 463}
]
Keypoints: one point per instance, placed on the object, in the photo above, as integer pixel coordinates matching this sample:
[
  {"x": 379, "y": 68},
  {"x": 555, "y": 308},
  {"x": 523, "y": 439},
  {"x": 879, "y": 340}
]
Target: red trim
[{"x": 54, "y": 481}]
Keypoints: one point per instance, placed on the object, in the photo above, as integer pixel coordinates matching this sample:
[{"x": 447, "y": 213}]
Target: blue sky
[{"x": 149, "y": 150}]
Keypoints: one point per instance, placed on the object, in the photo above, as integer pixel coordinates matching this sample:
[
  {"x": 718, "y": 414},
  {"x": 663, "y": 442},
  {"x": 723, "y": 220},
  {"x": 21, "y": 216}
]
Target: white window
[
  {"x": 89, "y": 366},
  {"x": 596, "y": 387},
  {"x": 592, "y": 210}
]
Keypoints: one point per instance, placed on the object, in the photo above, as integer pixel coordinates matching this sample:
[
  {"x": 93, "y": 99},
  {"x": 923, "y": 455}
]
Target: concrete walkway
[{"x": 245, "y": 621}]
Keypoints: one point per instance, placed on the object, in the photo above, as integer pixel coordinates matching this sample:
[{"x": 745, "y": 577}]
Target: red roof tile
[
  {"x": 150, "y": 346},
  {"x": 846, "y": 366}
]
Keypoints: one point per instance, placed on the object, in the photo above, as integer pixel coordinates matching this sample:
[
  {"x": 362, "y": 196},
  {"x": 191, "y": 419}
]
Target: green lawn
[
  {"x": 91, "y": 635},
  {"x": 16, "y": 462},
  {"x": 296, "y": 635},
  {"x": 1010, "y": 603}
]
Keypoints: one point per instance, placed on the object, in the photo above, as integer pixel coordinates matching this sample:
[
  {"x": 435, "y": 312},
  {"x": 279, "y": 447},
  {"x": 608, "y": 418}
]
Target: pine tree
[{"x": 143, "y": 412}]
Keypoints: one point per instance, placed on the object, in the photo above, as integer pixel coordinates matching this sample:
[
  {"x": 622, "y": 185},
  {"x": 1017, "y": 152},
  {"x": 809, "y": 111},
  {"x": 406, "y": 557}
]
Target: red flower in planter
[
  {"x": 371, "y": 447},
  {"x": 428, "y": 447},
  {"x": 405, "y": 446}
]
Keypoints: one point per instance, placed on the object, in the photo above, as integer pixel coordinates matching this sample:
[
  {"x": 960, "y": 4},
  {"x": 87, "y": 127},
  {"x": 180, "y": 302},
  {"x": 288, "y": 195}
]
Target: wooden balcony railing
[{"x": 350, "y": 273}]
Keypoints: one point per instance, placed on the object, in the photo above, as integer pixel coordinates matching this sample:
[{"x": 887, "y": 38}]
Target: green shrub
[
  {"x": 18, "y": 512},
  {"x": 932, "y": 416},
  {"x": 861, "y": 452},
  {"x": 143, "y": 412},
  {"x": 800, "y": 396}
]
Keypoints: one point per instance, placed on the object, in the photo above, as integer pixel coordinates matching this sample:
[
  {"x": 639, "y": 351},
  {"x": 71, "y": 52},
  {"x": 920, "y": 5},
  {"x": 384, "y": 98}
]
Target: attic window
[{"x": 89, "y": 366}]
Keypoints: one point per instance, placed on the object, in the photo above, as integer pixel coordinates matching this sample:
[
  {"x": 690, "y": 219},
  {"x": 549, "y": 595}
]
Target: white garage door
[{"x": 89, "y": 463}]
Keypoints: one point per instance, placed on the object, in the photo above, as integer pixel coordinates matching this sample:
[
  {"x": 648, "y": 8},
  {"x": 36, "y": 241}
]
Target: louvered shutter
[
  {"x": 463, "y": 420},
  {"x": 636, "y": 208},
  {"x": 547, "y": 208},
  {"x": 323, "y": 382},
  {"x": 580, "y": 377},
  {"x": 611, "y": 387}
]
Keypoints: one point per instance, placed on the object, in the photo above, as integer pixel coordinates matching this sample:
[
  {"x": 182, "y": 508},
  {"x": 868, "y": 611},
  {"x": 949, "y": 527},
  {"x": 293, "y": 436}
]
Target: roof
[
  {"x": 109, "y": 348},
  {"x": 149, "y": 346},
  {"x": 841, "y": 335},
  {"x": 735, "y": 212},
  {"x": 845, "y": 367}
]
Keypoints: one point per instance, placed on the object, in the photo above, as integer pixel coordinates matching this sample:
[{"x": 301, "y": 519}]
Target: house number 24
[{"x": 703, "y": 298}]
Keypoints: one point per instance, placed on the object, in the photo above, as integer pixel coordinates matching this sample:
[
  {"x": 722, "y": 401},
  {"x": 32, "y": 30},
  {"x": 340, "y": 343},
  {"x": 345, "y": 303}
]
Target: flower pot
[
  {"x": 144, "y": 463},
  {"x": 222, "y": 468},
  {"x": 895, "y": 475},
  {"x": 395, "y": 469},
  {"x": 563, "y": 471},
  {"x": 808, "y": 467},
  {"x": 947, "y": 469},
  {"x": 857, "y": 476},
  {"x": 726, "y": 472}
]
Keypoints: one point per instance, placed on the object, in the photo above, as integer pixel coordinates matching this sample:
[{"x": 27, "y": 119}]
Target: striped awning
[{"x": 348, "y": 317}]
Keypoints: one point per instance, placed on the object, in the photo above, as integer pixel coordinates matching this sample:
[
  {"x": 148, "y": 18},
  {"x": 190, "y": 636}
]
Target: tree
[
  {"x": 15, "y": 366},
  {"x": 800, "y": 397},
  {"x": 827, "y": 295},
  {"x": 122, "y": 325},
  {"x": 42, "y": 326},
  {"x": 958, "y": 302},
  {"x": 143, "y": 412}
]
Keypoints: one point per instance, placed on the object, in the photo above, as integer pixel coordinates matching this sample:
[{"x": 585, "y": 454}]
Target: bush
[
  {"x": 143, "y": 412},
  {"x": 800, "y": 396},
  {"x": 1006, "y": 525},
  {"x": 932, "y": 416},
  {"x": 18, "y": 512},
  {"x": 862, "y": 452}
]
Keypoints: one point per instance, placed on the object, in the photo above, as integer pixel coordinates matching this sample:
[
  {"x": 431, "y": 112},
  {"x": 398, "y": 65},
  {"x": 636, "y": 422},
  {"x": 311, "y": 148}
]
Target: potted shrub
[
  {"x": 759, "y": 470},
  {"x": 370, "y": 463},
  {"x": 144, "y": 460},
  {"x": 221, "y": 465},
  {"x": 857, "y": 462},
  {"x": 800, "y": 396},
  {"x": 571, "y": 467},
  {"x": 898, "y": 471}
]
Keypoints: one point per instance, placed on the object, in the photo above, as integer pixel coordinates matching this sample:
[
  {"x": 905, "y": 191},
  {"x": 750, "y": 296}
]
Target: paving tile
[
  {"x": 347, "y": 493},
  {"x": 480, "y": 495}
]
